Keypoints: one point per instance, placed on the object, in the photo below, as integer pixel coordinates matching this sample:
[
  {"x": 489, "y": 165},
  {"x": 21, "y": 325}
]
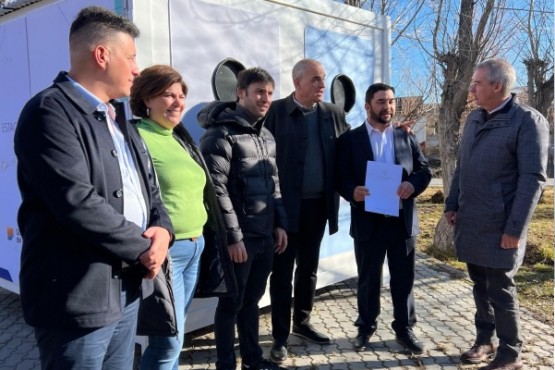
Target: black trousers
[
  {"x": 242, "y": 309},
  {"x": 388, "y": 237},
  {"x": 304, "y": 249},
  {"x": 497, "y": 309}
]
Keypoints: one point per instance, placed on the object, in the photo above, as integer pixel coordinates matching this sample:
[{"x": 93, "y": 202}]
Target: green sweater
[{"x": 181, "y": 179}]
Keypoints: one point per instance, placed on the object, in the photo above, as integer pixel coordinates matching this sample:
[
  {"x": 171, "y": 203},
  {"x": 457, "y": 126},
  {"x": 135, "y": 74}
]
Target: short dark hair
[
  {"x": 247, "y": 77},
  {"x": 152, "y": 82},
  {"x": 374, "y": 88},
  {"x": 95, "y": 24}
]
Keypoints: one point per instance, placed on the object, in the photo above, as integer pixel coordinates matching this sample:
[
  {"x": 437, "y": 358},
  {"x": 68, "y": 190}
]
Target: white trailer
[{"x": 195, "y": 37}]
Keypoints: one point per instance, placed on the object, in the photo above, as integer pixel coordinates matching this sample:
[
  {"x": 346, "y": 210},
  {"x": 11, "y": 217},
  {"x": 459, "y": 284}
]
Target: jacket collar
[
  {"x": 291, "y": 106},
  {"x": 76, "y": 97},
  {"x": 364, "y": 140},
  {"x": 500, "y": 118}
]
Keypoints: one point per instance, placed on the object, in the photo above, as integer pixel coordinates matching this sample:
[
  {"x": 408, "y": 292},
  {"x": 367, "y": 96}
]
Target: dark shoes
[
  {"x": 278, "y": 353},
  {"x": 361, "y": 342},
  {"x": 478, "y": 353},
  {"x": 309, "y": 333},
  {"x": 498, "y": 364},
  {"x": 409, "y": 341},
  {"x": 262, "y": 365}
]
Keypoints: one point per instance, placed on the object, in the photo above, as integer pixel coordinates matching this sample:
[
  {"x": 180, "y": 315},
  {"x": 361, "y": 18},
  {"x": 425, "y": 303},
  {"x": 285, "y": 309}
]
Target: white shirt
[
  {"x": 382, "y": 143},
  {"x": 502, "y": 105}
]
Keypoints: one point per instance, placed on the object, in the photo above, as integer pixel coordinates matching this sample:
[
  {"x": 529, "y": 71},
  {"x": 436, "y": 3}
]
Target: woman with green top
[{"x": 158, "y": 98}]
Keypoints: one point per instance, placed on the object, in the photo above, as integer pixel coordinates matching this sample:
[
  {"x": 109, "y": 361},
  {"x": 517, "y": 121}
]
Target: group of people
[{"x": 124, "y": 222}]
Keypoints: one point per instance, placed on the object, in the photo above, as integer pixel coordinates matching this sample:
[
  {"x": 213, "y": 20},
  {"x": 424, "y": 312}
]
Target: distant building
[{"x": 413, "y": 108}]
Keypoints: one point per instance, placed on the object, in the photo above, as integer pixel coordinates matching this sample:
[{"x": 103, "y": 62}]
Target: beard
[{"x": 377, "y": 117}]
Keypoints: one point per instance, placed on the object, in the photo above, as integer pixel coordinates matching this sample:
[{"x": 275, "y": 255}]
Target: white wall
[
  {"x": 193, "y": 36},
  {"x": 33, "y": 49}
]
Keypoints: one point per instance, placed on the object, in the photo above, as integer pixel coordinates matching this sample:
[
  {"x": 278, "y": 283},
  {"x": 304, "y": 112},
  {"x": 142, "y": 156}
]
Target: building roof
[{"x": 9, "y": 6}]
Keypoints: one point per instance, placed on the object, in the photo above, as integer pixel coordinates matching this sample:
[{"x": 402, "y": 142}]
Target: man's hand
[
  {"x": 451, "y": 217},
  {"x": 359, "y": 193},
  {"x": 509, "y": 241},
  {"x": 237, "y": 252},
  {"x": 154, "y": 257},
  {"x": 281, "y": 240},
  {"x": 405, "y": 190},
  {"x": 406, "y": 125}
]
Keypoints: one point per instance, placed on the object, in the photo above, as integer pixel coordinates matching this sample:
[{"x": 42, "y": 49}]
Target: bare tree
[
  {"x": 402, "y": 13},
  {"x": 538, "y": 27},
  {"x": 453, "y": 38},
  {"x": 539, "y": 59},
  {"x": 406, "y": 17},
  {"x": 353, "y": 3},
  {"x": 462, "y": 36}
]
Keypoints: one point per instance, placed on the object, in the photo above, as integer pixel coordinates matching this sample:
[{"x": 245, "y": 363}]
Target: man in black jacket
[
  {"x": 376, "y": 234},
  {"x": 305, "y": 129},
  {"x": 240, "y": 155},
  {"x": 91, "y": 216}
]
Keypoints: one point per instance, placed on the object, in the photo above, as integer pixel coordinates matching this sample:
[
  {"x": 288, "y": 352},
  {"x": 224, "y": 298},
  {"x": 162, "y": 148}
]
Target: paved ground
[{"x": 444, "y": 308}]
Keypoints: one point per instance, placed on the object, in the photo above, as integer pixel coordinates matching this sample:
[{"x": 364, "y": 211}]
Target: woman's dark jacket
[
  {"x": 241, "y": 158},
  {"x": 216, "y": 279}
]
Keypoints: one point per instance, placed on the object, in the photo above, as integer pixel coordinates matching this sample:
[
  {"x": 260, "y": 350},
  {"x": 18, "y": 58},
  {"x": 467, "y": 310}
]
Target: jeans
[
  {"x": 163, "y": 352},
  {"x": 111, "y": 347},
  {"x": 242, "y": 309},
  {"x": 497, "y": 309}
]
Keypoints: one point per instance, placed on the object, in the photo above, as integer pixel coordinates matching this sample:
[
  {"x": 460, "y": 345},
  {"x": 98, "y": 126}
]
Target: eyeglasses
[{"x": 479, "y": 83}]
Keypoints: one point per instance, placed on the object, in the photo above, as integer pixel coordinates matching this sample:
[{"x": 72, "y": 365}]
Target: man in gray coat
[{"x": 498, "y": 181}]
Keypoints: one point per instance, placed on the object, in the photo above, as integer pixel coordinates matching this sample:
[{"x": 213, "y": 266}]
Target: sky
[{"x": 411, "y": 66}]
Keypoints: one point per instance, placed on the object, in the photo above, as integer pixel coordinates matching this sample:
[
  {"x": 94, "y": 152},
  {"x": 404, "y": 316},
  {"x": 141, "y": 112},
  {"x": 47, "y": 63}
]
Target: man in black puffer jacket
[{"x": 240, "y": 154}]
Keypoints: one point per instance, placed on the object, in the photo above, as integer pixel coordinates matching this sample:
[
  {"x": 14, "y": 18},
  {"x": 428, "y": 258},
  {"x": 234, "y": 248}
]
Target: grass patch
[{"x": 534, "y": 278}]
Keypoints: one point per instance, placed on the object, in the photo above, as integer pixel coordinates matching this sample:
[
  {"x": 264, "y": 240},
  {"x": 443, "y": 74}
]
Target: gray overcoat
[{"x": 500, "y": 173}]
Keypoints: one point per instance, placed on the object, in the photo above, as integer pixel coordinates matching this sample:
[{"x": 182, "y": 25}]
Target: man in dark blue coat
[
  {"x": 376, "y": 234},
  {"x": 92, "y": 221}
]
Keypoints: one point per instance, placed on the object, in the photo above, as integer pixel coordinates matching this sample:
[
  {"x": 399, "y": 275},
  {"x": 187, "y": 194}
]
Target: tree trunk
[
  {"x": 448, "y": 144},
  {"x": 457, "y": 64},
  {"x": 449, "y": 139},
  {"x": 443, "y": 236}
]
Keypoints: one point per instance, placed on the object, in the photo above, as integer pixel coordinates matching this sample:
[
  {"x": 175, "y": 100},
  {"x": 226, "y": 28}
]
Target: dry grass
[{"x": 535, "y": 277}]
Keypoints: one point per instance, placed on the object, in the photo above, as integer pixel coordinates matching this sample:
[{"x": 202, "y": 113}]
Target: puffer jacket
[
  {"x": 216, "y": 278},
  {"x": 241, "y": 158}
]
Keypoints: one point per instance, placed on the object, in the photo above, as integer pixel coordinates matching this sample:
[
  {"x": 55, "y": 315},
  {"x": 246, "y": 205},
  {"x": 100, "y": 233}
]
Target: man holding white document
[{"x": 380, "y": 171}]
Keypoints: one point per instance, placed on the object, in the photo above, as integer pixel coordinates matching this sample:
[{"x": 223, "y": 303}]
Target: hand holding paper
[
  {"x": 360, "y": 193},
  {"x": 406, "y": 189}
]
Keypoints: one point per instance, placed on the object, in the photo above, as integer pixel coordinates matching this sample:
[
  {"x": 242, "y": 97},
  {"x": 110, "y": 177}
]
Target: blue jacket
[{"x": 75, "y": 237}]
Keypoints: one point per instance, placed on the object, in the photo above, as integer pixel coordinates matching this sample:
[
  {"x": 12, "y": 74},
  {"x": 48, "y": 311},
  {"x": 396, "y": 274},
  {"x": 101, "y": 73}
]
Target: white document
[{"x": 382, "y": 181}]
